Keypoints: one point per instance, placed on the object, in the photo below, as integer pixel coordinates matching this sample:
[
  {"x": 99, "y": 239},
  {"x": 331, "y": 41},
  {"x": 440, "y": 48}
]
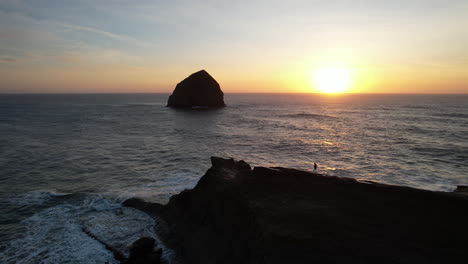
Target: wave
[
  {"x": 37, "y": 197},
  {"x": 452, "y": 115},
  {"x": 418, "y": 106},
  {"x": 60, "y": 234},
  {"x": 432, "y": 151},
  {"x": 54, "y": 236},
  {"x": 309, "y": 116}
]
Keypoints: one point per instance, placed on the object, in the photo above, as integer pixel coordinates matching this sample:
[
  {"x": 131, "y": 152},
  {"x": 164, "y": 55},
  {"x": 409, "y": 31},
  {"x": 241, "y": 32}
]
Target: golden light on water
[{"x": 332, "y": 80}]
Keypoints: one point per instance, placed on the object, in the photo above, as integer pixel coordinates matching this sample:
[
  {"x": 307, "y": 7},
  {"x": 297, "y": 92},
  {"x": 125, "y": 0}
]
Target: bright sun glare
[{"x": 332, "y": 80}]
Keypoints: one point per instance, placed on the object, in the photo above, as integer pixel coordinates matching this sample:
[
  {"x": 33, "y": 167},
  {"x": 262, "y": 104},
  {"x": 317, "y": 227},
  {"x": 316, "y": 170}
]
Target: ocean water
[{"x": 68, "y": 161}]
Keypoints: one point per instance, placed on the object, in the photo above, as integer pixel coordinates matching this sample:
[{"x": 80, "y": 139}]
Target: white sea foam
[
  {"x": 37, "y": 197},
  {"x": 56, "y": 234}
]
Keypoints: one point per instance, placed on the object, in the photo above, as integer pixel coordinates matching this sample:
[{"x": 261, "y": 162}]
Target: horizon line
[{"x": 312, "y": 93}]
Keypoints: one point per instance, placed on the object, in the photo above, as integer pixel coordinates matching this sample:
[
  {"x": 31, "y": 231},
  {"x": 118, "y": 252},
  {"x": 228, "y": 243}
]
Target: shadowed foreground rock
[
  {"x": 278, "y": 215},
  {"x": 197, "y": 90},
  {"x": 142, "y": 252}
]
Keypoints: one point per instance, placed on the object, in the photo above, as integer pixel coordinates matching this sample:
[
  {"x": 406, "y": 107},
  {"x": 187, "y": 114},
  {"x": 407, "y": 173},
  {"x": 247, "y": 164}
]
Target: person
[{"x": 315, "y": 166}]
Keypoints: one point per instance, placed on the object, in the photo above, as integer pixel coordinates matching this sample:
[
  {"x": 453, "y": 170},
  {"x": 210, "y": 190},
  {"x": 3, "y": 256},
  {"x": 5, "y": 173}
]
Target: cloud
[
  {"x": 63, "y": 20},
  {"x": 7, "y": 59},
  {"x": 107, "y": 34},
  {"x": 97, "y": 31}
]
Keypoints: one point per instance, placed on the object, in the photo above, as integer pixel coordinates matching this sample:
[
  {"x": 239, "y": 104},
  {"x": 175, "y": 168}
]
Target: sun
[{"x": 332, "y": 80}]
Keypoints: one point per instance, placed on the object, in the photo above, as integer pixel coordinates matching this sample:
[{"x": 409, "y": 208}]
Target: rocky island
[
  {"x": 197, "y": 90},
  {"x": 238, "y": 214}
]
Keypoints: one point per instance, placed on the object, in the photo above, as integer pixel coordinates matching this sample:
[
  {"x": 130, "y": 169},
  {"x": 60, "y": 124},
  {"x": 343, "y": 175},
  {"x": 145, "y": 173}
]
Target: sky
[{"x": 89, "y": 46}]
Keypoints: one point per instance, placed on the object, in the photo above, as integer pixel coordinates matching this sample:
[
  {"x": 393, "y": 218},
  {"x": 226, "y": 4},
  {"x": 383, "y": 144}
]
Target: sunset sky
[{"x": 71, "y": 46}]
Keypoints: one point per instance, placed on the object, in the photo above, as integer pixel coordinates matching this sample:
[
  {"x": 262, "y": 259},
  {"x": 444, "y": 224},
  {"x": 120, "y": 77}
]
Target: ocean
[{"x": 68, "y": 161}]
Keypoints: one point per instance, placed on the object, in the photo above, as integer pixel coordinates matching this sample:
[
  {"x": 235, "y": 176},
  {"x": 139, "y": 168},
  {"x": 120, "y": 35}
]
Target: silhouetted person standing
[{"x": 315, "y": 166}]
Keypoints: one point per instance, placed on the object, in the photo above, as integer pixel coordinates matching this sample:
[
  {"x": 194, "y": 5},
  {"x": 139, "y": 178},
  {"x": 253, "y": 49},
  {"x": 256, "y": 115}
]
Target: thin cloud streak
[{"x": 104, "y": 33}]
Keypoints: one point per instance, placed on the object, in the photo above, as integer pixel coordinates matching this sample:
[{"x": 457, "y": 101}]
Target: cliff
[{"x": 237, "y": 214}]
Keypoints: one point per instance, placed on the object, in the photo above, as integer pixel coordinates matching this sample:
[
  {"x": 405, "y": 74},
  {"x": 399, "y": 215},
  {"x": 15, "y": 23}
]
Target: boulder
[
  {"x": 142, "y": 246},
  {"x": 197, "y": 90},
  {"x": 143, "y": 252}
]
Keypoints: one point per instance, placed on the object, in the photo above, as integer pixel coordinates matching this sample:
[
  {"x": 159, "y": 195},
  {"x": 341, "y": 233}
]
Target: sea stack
[{"x": 197, "y": 90}]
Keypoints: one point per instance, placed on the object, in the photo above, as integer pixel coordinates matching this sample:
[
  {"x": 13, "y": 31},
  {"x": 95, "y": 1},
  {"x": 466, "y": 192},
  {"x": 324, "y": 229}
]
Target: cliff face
[
  {"x": 236, "y": 214},
  {"x": 197, "y": 90}
]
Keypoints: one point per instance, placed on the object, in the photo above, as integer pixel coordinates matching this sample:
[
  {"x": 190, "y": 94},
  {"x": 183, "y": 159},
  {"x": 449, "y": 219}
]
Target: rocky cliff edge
[{"x": 236, "y": 214}]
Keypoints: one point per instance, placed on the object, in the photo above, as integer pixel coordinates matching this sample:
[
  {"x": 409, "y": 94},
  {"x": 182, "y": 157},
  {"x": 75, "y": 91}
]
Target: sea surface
[{"x": 68, "y": 161}]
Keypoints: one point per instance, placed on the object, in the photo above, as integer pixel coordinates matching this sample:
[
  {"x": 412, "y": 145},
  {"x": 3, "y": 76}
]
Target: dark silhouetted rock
[
  {"x": 142, "y": 246},
  {"x": 197, "y": 90},
  {"x": 140, "y": 204},
  {"x": 134, "y": 202},
  {"x": 142, "y": 252},
  {"x": 236, "y": 214},
  {"x": 462, "y": 189}
]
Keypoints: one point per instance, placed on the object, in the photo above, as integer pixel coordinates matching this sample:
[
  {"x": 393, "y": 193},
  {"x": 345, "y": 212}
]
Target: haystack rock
[{"x": 197, "y": 90}]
